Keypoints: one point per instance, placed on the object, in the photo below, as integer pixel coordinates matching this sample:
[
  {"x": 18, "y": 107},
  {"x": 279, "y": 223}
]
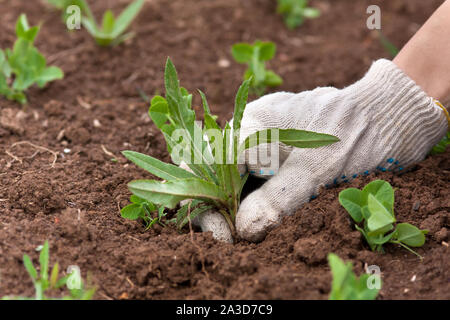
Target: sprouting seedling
[
  {"x": 211, "y": 153},
  {"x": 345, "y": 285},
  {"x": 374, "y": 208},
  {"x": 112, "y": 30},
  {"x": 296, "y": 11},
  {"x": 24, "y": 65},
  {"x": 255, "y": 56},
  {"x": 43, "y": 281},
  {"x": 140, "y": 208}
]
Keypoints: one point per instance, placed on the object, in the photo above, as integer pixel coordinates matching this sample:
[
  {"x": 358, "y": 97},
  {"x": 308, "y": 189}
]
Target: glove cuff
[{"x": 409, "y": 120}]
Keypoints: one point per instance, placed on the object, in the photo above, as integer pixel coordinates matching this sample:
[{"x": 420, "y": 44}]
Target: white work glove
[{"x": 384, "y": 122}]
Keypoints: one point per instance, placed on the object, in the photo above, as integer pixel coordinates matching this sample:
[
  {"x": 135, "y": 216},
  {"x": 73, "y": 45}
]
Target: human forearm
[{"x": 426, "y": 57}]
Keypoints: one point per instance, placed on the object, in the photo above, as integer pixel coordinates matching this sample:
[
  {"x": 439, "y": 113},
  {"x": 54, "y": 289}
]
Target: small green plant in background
[
  {"x": 374, "y": 208},
  {"x": 24, "y": 65},
  {"x": 295, "y": 12},
  {"x": 345, "y": 285},
  {"x": 43, "y": 282},
  {"x": 111, "y": 32},
  {"x": 255, "y": 56},
  {"x": 140, "y": 208},
  {"x": 211, "y": 153}
]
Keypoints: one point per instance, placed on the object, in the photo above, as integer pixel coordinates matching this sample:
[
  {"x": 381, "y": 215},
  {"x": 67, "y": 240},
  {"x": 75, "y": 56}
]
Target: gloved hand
[{"x": 384, "y": 122}]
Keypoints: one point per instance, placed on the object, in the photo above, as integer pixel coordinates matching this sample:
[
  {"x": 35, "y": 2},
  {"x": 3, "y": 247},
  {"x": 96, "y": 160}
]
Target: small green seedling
[
  {"x": 255, "y": 56},
  {"x": 140, "y": 208},
  {"x": 24, "y": 65},
  {"x": 442, "y": 145},
  {"x": 374, "y": 208},
  {"x": 112, "y": 30},
  {"x": 44, "y": 282},
  {"x": 295, "y": 12},
  {"x": 345, "y": 285},
  {"x": 211, "y": 153}
]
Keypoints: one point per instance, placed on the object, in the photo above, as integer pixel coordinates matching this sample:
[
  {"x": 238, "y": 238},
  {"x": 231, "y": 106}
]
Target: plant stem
[
  {"x": 229, "y": 221},
  {"x": 407, "y": 248}
]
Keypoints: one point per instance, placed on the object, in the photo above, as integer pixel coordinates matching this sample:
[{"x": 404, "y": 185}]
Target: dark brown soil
[{"x": 96, "y": 112}]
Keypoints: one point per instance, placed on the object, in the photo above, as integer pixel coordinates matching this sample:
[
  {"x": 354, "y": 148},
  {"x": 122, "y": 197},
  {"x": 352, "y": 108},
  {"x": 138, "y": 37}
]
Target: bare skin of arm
[{"x": 426, "y": 57}]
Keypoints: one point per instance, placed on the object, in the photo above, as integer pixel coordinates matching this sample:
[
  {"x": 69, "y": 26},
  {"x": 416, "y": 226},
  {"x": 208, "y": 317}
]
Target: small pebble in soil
[
  {"x": 223, "y": 63},
  {"x": 67, "y": 150},
  {"x": 416, "y": 206},
  {"x": 413, "y": 278}
]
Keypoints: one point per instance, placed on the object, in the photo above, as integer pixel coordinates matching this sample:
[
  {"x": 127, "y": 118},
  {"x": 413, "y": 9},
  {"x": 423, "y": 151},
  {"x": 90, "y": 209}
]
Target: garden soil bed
[{"x": 87, "y": 119}]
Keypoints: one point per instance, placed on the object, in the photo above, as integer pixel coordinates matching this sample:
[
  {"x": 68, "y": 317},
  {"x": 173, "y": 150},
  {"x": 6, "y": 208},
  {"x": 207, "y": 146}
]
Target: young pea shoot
[
  {"x": 255, "y": 56},
  {"x": 374, "y": 208},
  {"x": 295, "y": 12},
  {"x": 112, "y": 30},
  {"x": 211, "y": 153},
  {"x": 24, "y": 65},
  {"x": 140, "y": 208},
  {"x": 345, "y": 285},
  {"x": 43, "y": 281}
]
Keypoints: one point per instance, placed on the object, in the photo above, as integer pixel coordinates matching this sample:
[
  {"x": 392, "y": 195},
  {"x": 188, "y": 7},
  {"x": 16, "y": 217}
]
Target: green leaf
[
  {"x": 383, "y": 191},
  {"x": 126, "y": 17},
  {"x": 351, "y": 200},
  {"x": 108, "y": 22},
  {"x": 43, "y": 260},
  {"x": 159, "y": 111},
  {"x": 131, "y": 211},
  {"x": 54, "y": 275},
  {"x": 380, "y": 217},
  {"x": 49, "y": 74},
  {"x": 170, "y": 193},
  {"x": 30, "y": 268},
  {"x": 242, "y": 52},
  {"x": 409, "y": 235},
  {"x": 156, "y": 167},
  {"x": 267, "y": 51},
  {"x": 22, "y": 26},
  {"x": 272, "y": 79},
  {"x": 291, "y": 137}
]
